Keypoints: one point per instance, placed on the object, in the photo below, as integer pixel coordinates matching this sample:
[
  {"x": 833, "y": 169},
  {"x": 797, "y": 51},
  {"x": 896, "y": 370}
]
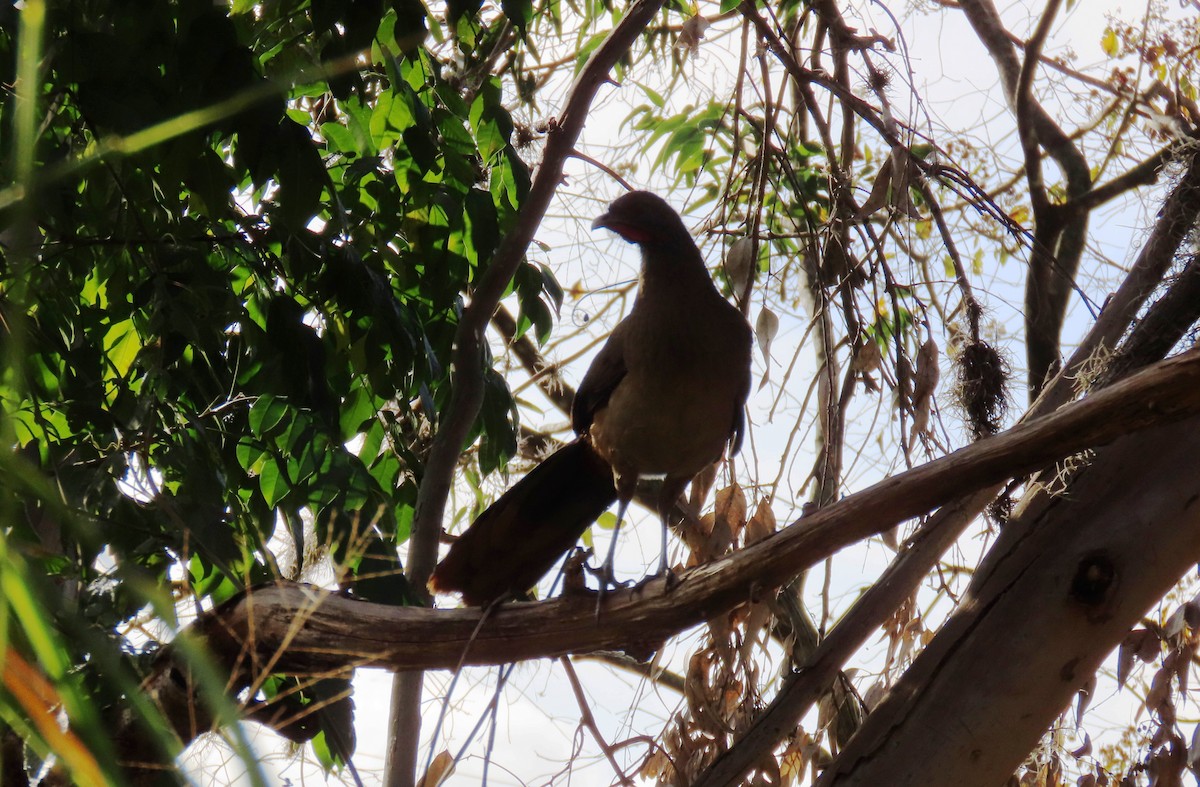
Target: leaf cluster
[{"x": 229, "y": 291}]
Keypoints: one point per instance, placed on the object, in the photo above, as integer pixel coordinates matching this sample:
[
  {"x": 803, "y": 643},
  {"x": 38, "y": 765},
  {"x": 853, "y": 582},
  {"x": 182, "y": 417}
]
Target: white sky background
[{"x": 537, "y": 730}]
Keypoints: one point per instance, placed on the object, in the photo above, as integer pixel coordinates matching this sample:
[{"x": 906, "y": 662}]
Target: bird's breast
[{"x": 674, "y": 411}]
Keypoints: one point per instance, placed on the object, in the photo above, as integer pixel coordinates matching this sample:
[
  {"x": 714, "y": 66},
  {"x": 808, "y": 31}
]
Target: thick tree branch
[
  {"x": 1060, "y": 231},
  {"x": 1142, "y": 174},
  {"x": 305, "y": 630},
  {"x": 796, "y": 697},
  {"x": 982, "y": 693}
]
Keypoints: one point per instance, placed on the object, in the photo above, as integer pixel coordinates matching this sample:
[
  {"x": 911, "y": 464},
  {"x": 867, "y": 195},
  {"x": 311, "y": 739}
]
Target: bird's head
[{"x": 644, "y": 218}]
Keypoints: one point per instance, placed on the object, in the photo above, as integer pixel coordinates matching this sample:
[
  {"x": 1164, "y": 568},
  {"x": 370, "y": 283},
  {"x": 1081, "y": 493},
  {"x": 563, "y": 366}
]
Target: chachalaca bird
[{"x": 663, "y": 397}]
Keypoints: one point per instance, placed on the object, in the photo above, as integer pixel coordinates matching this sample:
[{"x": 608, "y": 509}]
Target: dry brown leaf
[
  {"x": 795, "y": 759},
  {"x": 766, "y": 326},
  {"x": 924, "y": 383},
  {"x": 867, "y": 357},
  {"x": 880, "y": 190},
  {"x": 1085, "y": 748},
  {"x": 692, "y": 34},
  {"x": 730, "y": 520},
  {"x": 1159, "y": 697},
  {"x": 739, "y": 265},
  {"x": 762, "y": 523},
  {"x": 439, "y": 770},
  {"x": 874, "y": 694}
]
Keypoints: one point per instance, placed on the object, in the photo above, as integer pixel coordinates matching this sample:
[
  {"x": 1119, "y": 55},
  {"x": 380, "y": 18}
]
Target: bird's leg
[
  {"x": 668, "y": 495},
  {"x": 606, "y": 575}
]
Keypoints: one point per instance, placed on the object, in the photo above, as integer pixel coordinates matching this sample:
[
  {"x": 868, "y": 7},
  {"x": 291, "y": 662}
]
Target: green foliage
[{"x": 230, "y": 287}]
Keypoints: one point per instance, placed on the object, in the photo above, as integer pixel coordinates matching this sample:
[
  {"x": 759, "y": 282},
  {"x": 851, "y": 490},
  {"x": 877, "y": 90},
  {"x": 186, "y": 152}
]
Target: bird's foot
[
  {"x": 670, "y": 577},
  {"x": 606, "y": 581}
]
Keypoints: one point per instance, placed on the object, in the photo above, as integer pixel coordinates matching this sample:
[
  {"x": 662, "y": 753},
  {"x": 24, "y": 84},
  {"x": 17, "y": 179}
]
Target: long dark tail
[{"x": 521, "y": 535}]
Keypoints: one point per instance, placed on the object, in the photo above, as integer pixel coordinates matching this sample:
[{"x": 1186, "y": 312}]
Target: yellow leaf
[{"x": 1109, "y": 42}]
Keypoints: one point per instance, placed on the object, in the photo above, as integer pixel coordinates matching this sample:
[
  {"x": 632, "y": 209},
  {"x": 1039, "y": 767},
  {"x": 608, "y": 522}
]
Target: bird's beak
[{"x": 601, "y": 221}]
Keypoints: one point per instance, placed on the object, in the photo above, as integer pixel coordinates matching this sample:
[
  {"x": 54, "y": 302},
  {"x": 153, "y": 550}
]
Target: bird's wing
[
  {"x": 601, "y": 379},
  {"x": 739, "y": 416}
]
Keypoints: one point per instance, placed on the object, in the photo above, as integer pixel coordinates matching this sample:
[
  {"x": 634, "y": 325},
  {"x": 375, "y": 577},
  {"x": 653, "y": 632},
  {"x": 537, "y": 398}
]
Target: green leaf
[
  {"x": 266, "y": 413},
  {"x": 273, "y": 483},
  {"x": 121, "y": 346}
]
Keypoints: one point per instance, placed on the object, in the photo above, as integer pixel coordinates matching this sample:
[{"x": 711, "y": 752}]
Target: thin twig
[{"x": 588, "y": 720}]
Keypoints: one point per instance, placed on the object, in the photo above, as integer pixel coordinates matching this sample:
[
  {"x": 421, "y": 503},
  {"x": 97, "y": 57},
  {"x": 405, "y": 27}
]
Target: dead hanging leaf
[
  {"x": 767, "y": 774},
  {"x": 439, "y": 770},
  {"x": 761, "y": 524},
  {"x": 731, "y": 507},
  {"x": 655, "y": 765},
  {"x": 697, "y": 539},
  {"x": 701, "y": 486},
  {"x": 739, "y": 266},
  {"x": 1085, "y": 748},
  {"x": 904, "y": 375},
  {"x": 826, "y": 711},
  {"x": 729, "y": 520},
  {"x": 795, "y": 759},
  {"x": 878, "y": 198},
  {"x": 765, "y": 328},
  {"x": 838, "y": 263},
  {"x": 867, "y": 357},
  {"x": 924, "y": 383},
  {"x": 1191, "y": 612},
  {"x": 1167, "y": 765},
  {"x": 890, "y": 188},
  {"x": 1193, "y": 760},
  {"x": 874, "y": 694},
  {"x": 756, "y": 627},
  {"x": 1175, "y": 623},
  {"x": 691, "y": 35},
  {"x": 1158, "y": 699},
  {"x": 1141, "y": 644}
]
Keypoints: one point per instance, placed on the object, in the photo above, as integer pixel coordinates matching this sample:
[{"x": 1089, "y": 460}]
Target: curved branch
[
  {"x": 303, "y": 629},
  {"x": 1142, "y": 174},
  {"x": 1061, "y": 231},
  {"x": 1029, "y": 113}
]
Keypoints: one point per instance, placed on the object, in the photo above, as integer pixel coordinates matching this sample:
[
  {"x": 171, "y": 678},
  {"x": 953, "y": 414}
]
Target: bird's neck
[{"x": 671, "y": 269}]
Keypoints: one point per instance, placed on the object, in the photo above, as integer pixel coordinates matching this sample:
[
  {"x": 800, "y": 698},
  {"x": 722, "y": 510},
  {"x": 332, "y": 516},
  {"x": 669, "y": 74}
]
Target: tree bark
[{"x": 1039, "y": 619}]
